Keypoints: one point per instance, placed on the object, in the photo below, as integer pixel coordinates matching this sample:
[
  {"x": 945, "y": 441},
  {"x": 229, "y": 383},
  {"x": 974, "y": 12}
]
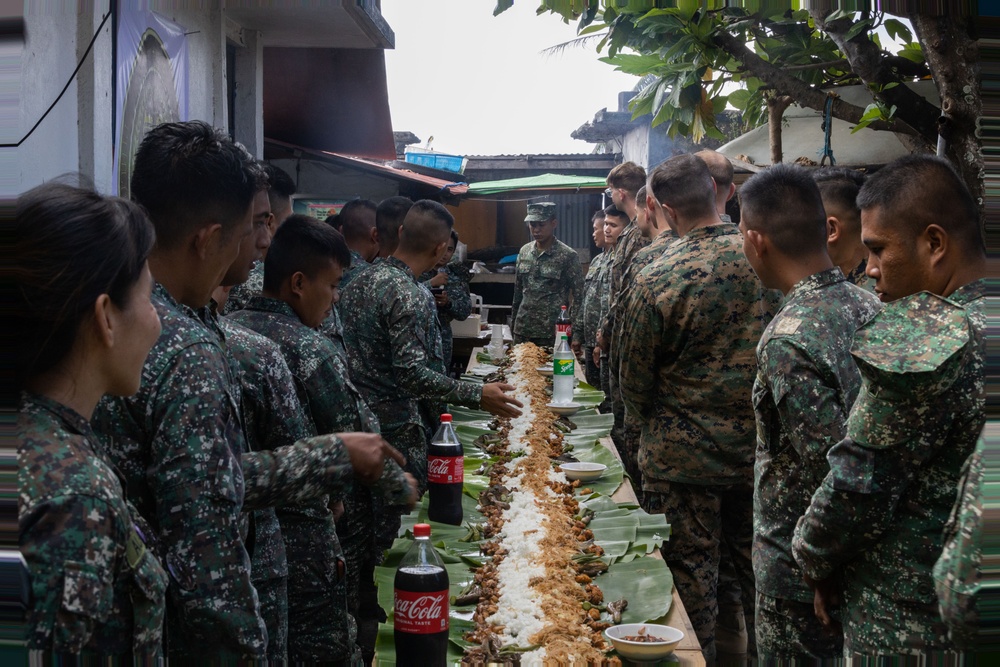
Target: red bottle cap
[
  {"x": 422, "y": 530},
  {"x": 446, "y": 417}
]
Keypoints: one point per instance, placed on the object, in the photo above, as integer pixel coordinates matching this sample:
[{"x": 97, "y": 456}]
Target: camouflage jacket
[
  {"x": 589, "y": 314},
  {"x": 95, "y": 587},
  {"x": 358, "y": 265},
  {"x": 274, "y": 419},
  {"x": 877, "y": 519},
  {"x": 545, "y": 281},
  {"x": 241, "y": 294},
  {"x": 457, "y": 288},
  {"x": 687, "y": 360},
  {"x": 180, "y": 445},
  {"x": 643, "y": 258},
  {"x": 629, "y": 243},
  {"x": 178, "y": 442},
  {"x": 806, "y": 384},
  {"x": 394, "y": 345},
  {"x": 859, "y": 277},
  {"x": 957, "y": 574},
  {"x": 331, "y": 403}
]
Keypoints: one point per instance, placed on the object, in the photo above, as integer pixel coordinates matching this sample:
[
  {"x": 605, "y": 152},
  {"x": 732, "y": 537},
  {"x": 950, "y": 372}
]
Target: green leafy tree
[{"x": 777, "y": 53}]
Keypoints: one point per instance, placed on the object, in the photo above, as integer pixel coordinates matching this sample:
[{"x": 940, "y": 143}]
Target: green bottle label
[{"x": 562, "y": 367}]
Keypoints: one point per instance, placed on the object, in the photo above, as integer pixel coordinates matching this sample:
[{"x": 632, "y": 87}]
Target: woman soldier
[{"x": 81, "y": 303}]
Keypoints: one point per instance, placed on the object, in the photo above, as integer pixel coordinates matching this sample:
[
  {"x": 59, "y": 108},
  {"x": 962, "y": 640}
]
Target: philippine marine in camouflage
[{"x": 874, "y": 528}]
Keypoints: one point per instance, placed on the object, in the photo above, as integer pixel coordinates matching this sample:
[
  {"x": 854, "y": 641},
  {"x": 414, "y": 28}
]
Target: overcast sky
[{"x": 480, "y": 86}]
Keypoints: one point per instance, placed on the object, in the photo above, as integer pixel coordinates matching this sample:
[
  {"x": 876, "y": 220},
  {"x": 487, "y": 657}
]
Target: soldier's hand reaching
[
  {"x": 825, "y": 598},
  {"x": 577, "y": 350},
  {"x": 368, "y": 452},
  {"x": 497, "y": 402},
  {"x": 597, "y": 357}
]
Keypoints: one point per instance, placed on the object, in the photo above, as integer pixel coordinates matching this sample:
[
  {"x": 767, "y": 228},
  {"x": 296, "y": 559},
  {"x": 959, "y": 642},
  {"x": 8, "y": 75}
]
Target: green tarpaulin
[{"x": 543, "y": 182}]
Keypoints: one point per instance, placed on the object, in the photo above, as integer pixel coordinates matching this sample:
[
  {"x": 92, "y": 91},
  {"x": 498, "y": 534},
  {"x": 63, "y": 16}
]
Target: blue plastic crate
[{"x": 443, "y": 161}]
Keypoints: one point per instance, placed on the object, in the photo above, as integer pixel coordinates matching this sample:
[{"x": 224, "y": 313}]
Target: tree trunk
[
  {"x": 776, "y": 105},
  {"x": 953, "y": 56}
]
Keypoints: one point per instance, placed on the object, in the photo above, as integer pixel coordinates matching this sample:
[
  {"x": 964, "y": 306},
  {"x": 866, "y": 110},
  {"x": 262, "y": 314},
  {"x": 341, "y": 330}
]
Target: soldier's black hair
[
  {"x": 334, "y": 221},
  {"x": 615, "y": 212},
  {"x": 628, "y": 176},
  {"x": 355, "y": 225},
  {"x": 839, "y": 187},
  {"x": 282, "y": 187},
  {"x": 190, "y": 174},
  {"x": 598, "y": 215},
  {"x": 70, "y": 245},
  {"x": 920, "y": 190},
  {"x": 426, "y": 224},
  {"x": 388, "y": 217},
  {"x": 684, "y": 183},
  {"x": 303, "y": 244},
  {"x": 784, "y": 204},
  {"x": 454, "y": 237}
]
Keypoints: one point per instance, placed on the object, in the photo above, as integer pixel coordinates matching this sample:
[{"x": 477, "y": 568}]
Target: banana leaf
[{"x": 647, "y": 585}]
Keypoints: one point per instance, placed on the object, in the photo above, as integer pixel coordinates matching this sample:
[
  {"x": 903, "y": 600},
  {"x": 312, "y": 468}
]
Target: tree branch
[
  {"x": 800, "y": 68},
  {"x": 804, "y": 94},
  {"x": 869, "y": 63}
]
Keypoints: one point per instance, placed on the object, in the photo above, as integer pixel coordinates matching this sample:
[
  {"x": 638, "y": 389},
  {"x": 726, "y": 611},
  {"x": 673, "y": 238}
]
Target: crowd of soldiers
[
  {"x": 800, "y": 393},
  {"x": 226, "y": 406},
  {"x": 220, "y": 487}
]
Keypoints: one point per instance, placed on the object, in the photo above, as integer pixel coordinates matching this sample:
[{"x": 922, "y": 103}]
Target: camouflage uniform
[
  {"x": 604, "y": 304},
  {"x": 876, "y": 522},
  {"x": 273, "y": 418},
  {"x": 859, "y": 277},
  {"x": 957, "y": 573},
  {"x": 358, "y": 265},
  {"x": 589, "y": 316},
  {"x": 806, "y": 384},
  {"x": 394, "y": 355},
  {"x": 459, "y": 303},
  {"x": 687, "y": 367},
  {"x": 180, "y": 445},
  {"x": 631, "y": 427},
  {"x": 320, "y": 627},
  {"x": 545, "y": 281},
  {"x": 241, "y": 294},
  {"x": 95, "y": 587}
]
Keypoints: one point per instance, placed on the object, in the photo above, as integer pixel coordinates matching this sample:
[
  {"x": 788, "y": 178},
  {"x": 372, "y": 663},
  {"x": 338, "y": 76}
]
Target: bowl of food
[
  {"x": 583, "y": 470},
  {"x": 545, "y": 370},
  {"x": 565, "y": 409},
  {"x": 644, "y": 642}
]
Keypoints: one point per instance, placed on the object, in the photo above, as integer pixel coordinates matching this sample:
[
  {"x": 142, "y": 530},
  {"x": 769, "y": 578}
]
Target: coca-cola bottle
[
  {"x": 445, "y": 475},
  {"x": 563, "y": 326},
  {"x": 420, "y": 611}
]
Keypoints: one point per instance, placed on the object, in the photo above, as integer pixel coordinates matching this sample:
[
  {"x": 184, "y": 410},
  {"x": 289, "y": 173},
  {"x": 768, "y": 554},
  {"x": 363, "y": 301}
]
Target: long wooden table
[{"x": 688, "y": 652}]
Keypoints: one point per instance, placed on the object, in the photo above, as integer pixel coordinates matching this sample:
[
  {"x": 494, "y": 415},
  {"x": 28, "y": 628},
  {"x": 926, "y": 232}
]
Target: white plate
[
  {"x": 644, "y": 651},
  {"x": 482, "y": 370},
  {"x": 545, "y": 370},
  {"x": 564, "y": 409},
  {"x": 583, "y": 470}
]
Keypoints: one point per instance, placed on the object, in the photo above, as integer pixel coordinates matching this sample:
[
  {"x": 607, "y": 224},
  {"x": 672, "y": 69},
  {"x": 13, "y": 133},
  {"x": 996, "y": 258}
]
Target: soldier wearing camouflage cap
[
  {"x": 806, "y": 383},
  {"x": 874, "y": 528},
  {"x": 549, "y": 276}
]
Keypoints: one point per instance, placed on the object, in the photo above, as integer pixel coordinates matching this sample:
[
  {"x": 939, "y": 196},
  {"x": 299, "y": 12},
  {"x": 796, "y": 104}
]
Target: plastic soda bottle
[
  {"x": 563, "y": 326},
  {"x": 445, "y": 475},
  {"x": 563, "y": 370},
  {"x": 420, "y": 609}
]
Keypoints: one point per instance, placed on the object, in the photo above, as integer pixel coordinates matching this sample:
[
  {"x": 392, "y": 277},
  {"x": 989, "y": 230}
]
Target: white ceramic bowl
[
  {"x": 583, "y": 470},
  {"x": 564, "y": 409},
  {"x": 644, "y": 651},
  {"x": 545, "y": 370}
]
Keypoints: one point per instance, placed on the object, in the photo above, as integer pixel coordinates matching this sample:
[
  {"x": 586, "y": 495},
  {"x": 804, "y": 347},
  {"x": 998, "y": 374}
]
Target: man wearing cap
[
  {"x": 874, "y": 528},
  {"x": 548, "y": 277}
]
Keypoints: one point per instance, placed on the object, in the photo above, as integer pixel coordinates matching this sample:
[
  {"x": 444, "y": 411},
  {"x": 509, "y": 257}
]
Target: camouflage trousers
[
  {"x": 705, "y": 522},
  {"x": 273, "y": 596},
  {"x": 625, "y": 432},
  {"x": 789, "y": 630},
  {"x": 590, "y": 370},
  {"x": 356, "y": 532},
  {"x": 320, "y": 629},
  {"x": 605, "y": 406}
]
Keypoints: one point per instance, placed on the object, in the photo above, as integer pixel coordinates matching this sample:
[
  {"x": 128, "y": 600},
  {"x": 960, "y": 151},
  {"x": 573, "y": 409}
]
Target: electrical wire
[{"x": 66, "y": 87}]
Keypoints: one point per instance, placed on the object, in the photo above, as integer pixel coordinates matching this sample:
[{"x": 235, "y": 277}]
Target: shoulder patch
[{"x": 787, "y": 326}]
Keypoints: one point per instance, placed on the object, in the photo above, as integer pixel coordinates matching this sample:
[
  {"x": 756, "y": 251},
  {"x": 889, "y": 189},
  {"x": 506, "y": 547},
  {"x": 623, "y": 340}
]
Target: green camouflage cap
[
  {"x": 540, "y": 212},
  {"x": 915, "y": 347}
]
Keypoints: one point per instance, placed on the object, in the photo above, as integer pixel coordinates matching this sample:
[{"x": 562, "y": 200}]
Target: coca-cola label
[
  {"x": 445, "y": 469},
  {"x": 420, "y": 613}
]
